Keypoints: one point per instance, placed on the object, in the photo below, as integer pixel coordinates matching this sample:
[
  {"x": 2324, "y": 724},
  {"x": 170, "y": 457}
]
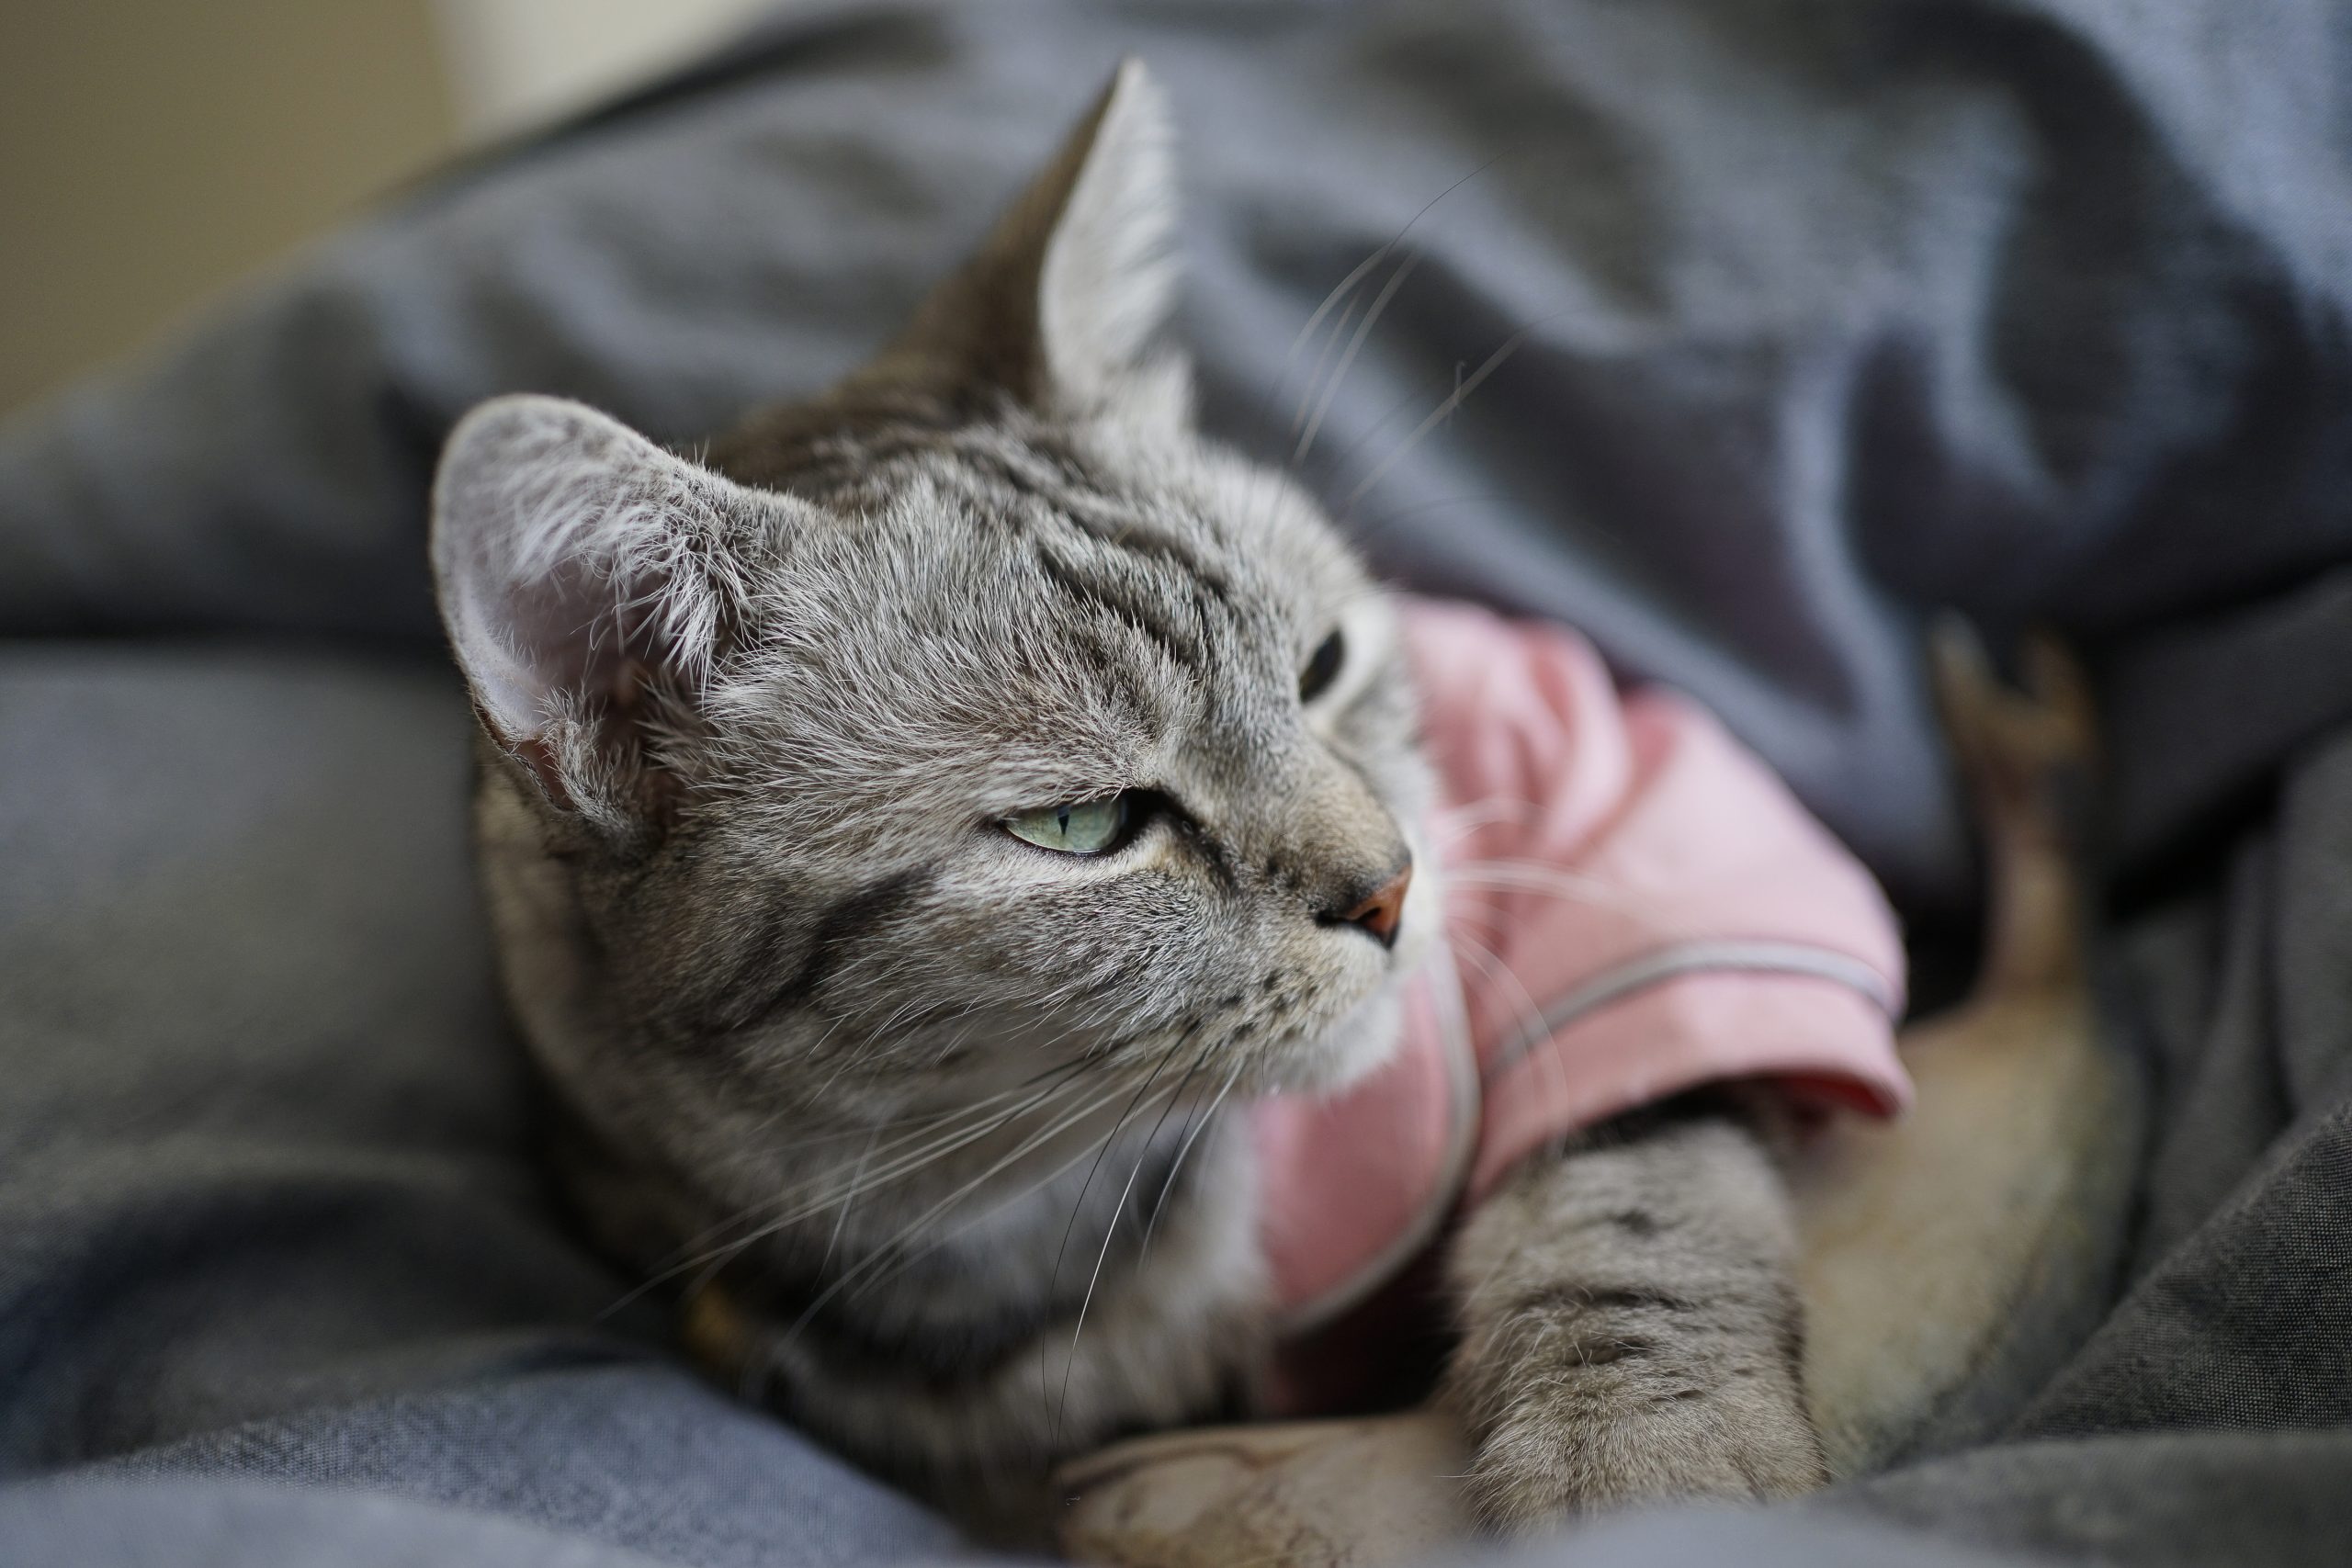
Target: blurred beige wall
[
  {"x": 154, "y": 153},
  {"x": 517, "y": 64},
  {"x": 151, "y": 152}
]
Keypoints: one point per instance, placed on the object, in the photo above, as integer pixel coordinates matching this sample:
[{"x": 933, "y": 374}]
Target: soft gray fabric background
[{"x": 1834, "y": 313}]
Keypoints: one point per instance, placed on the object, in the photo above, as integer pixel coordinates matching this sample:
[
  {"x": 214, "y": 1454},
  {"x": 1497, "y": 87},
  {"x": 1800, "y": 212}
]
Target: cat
[{"x": 912, "y": 825}]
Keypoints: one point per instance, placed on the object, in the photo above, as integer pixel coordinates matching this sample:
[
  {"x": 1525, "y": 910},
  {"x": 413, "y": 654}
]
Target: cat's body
[{"x": 920, "y": 1119}]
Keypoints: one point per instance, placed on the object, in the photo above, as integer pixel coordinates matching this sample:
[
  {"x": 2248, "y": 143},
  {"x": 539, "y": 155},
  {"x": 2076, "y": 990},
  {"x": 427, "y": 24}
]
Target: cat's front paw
[{"x": 1739, "y": 1442}]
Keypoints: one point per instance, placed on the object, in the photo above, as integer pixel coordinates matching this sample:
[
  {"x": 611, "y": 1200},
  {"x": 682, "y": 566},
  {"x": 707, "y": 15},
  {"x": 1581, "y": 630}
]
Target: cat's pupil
[
  {"x": 1083, "y": 827},
  {"x": 1322, "y": 667}
]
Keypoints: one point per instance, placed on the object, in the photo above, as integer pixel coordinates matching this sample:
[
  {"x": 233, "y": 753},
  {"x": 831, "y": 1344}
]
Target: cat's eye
[
  {"x": 1086, "y": 828},
  {"x": 1322, "y": 667}
]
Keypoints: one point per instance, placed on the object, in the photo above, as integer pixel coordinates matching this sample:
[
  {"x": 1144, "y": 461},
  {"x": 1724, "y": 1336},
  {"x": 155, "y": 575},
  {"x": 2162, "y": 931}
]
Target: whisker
[
  {"x": 1170, "y": 1185},
  {"x": 1566, "y": 885},
  {"x": 1355, "y": 344},
  {"x": 882, "y": 1255},
  {"x": 1079, "y": 1202},
  {"x": 1461, "y": 821},
  {"x": 929, "y": 1135},
  {"x": 1506, "y": 986},
  {"x": 1438, "y": 415},
  {"x": 889, "y": 1261},
  {"x": 1533, "y": 1029},
  {"x": 1537, "y": 876},
  {"x": 1420, "y": 392},
  {"x": 1110, "y": 1232},
  {"x": 907, "y": 1258},
  {"x": 717, "y": 1256},
  {"x": 1345, "y": 288},
  {"x": 841, "y": 1220},
  {"x": 931, "y": 1152},
  {"x": 1314, "y": 377}
]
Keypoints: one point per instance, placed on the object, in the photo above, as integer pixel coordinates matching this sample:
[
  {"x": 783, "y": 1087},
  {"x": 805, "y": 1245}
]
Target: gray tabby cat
[{"x": 908, "y": 827}]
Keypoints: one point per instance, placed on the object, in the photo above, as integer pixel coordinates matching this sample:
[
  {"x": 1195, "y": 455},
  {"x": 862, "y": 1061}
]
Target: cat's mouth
[{"x": 1328, "y": 1055}]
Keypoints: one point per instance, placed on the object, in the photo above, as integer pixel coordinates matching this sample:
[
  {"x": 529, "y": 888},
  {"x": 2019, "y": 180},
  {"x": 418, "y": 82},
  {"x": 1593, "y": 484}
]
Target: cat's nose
[{"x": 1381, "y": 910}]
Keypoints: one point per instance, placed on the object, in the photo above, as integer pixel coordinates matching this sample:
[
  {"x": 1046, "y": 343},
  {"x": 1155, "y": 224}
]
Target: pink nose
[{"x": 1383, "y": 911}]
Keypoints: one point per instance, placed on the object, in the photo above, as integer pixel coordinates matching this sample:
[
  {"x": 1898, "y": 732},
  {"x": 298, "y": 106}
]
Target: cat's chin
[
  {"x": 1359, "y": 1044},
  {"x": 1364, "y": 1039}
]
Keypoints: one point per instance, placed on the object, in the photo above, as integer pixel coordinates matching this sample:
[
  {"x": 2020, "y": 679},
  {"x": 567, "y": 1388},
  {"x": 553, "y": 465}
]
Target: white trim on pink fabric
[{"x": 1666, "y": 963}]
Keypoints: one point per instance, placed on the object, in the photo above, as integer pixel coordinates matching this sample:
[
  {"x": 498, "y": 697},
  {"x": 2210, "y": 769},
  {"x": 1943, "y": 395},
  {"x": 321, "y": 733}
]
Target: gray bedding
[{"x": 1832, "y": 313}]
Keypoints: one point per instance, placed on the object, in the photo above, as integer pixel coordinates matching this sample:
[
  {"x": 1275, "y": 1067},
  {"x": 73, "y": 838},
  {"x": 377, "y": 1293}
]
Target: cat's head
[{"x": 971, "y": 718}]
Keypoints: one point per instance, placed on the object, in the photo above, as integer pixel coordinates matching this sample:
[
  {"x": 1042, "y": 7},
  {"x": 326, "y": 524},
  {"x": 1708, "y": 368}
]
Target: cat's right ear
[{"x": 583, "y": 575}]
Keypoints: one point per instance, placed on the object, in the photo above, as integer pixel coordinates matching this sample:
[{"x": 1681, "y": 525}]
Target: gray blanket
[{"x": 1819, "y": 316}]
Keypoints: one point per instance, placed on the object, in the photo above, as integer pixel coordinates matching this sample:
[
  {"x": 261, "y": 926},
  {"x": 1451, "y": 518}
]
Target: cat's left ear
[{"x": 1059, "y": 305}]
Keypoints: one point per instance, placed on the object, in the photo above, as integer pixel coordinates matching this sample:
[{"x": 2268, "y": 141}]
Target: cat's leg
[{"x": 1632, "y": 1330}]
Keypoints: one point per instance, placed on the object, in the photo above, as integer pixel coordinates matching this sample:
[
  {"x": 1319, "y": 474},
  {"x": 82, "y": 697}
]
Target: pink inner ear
[
  {"x": 577, "y": 631},
  {"x": 573, "y": 640},
  {"x": 536, "y": 754},
  {"x": 567, "y": 551},
  {"x": 629, "y": 683}
]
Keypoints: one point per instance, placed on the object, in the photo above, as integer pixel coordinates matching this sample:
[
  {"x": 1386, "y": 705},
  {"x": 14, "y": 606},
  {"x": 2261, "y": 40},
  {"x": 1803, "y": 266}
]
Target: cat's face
[{"x": 968, "y": 721}]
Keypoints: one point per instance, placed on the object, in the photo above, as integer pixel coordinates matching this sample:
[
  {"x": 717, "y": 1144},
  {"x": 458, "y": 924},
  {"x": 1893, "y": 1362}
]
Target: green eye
[{"x": 1086, "y": 829}]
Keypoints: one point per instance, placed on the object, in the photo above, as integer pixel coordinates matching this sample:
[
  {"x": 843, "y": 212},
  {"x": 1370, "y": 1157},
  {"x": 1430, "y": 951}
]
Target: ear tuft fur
[{"x": 577, "y": 565}]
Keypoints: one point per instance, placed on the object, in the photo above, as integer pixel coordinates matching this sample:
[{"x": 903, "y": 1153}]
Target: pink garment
[{"x": 1635, "y": 907}]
